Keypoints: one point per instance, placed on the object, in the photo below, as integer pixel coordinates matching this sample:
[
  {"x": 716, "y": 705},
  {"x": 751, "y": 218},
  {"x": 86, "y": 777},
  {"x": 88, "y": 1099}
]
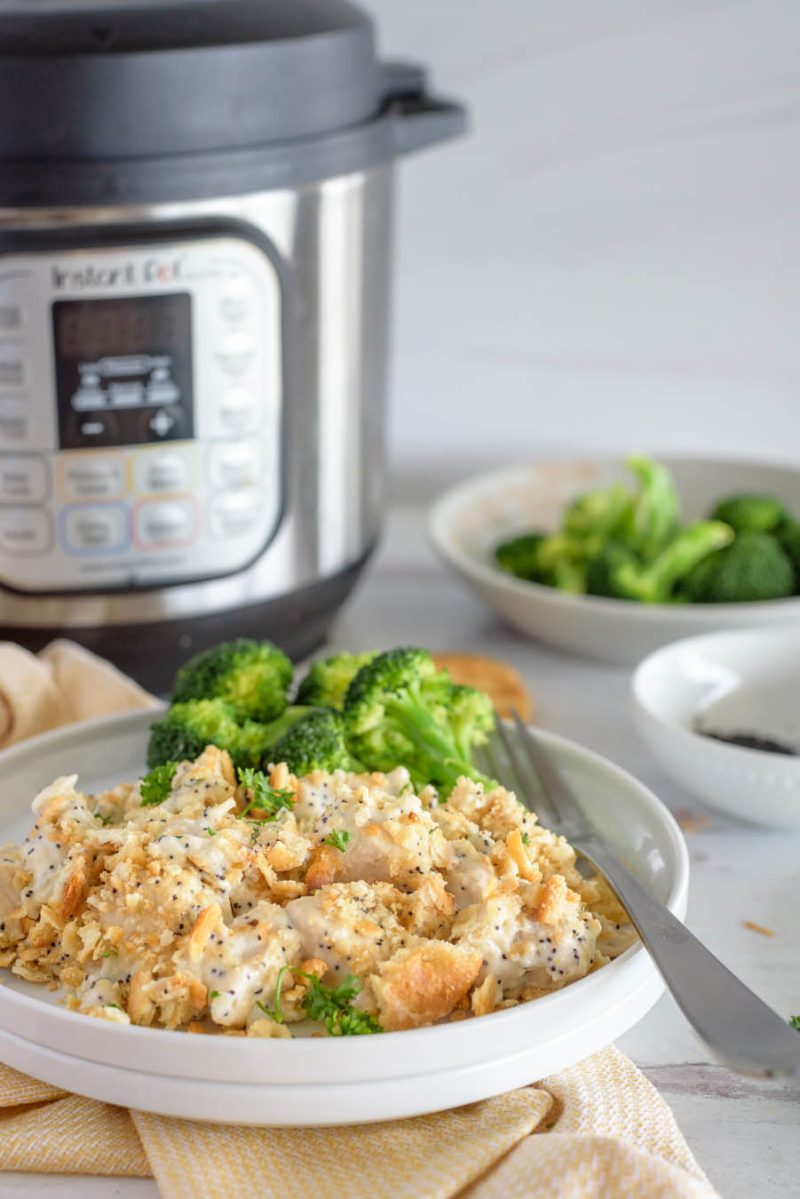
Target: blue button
[{"x": 95, "y": 528}]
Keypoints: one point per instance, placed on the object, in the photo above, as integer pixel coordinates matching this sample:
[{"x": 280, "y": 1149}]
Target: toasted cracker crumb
[
  {"x": 690, "y": 822},
  {"x": 759, "y": 928}
]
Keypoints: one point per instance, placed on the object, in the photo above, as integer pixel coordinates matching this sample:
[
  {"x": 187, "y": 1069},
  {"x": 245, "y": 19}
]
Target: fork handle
[{"x": 739, "y": 1029}]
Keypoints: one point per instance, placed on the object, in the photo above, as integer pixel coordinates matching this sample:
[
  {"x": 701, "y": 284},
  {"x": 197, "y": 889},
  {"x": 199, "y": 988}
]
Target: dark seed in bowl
[{"x": 767, "y": 745}]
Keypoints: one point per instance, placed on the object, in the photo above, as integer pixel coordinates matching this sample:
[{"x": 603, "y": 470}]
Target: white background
[{"x": 611, "y": 259}]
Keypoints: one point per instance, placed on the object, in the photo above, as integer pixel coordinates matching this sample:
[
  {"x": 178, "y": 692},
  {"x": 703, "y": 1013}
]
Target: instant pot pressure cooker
[{"x": 195, "y": 229}]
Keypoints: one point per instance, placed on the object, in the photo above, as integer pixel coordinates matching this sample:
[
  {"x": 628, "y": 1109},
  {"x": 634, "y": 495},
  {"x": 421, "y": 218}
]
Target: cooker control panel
[{"x": 140, "y": 413}]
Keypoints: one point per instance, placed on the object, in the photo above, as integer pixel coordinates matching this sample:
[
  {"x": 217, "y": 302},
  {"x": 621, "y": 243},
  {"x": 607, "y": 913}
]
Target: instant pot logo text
[{"x": 93, "y": 276}]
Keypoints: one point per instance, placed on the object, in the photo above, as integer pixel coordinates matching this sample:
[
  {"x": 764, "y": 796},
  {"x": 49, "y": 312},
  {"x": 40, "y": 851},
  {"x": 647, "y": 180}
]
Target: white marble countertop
[{"x": 745, "y": 1134}]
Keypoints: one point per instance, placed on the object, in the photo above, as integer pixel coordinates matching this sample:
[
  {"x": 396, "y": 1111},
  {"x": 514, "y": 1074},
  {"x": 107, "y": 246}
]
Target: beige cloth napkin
[
  {"x": 62, "y": 684},
  {"x": 602, "y": 1131}
]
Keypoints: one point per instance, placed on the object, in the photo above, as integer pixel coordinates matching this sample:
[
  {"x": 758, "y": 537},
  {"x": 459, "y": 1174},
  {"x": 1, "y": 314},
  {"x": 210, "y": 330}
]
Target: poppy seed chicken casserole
[{"x": 203, "y": 900}]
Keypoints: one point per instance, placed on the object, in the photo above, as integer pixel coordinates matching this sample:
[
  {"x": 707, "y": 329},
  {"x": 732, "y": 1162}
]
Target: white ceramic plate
[
  {"x": 745, "y": 682},
  {"x": 317, "y": 1080},
  {"x": 467, "y": 523}
]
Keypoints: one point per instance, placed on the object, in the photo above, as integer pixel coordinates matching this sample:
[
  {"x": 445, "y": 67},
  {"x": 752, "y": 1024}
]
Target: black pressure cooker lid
[
  {"x": 143, "y": 101},
  {"x": 94, "y": 79}
]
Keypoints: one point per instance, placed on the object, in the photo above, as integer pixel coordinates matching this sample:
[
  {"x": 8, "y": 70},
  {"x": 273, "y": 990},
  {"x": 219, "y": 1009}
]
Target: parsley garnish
[
  {"x": 213, "y": 995},
  {"x": 212, "y": 832},
  {"x": 275, "y": 1012},
  {"x": 116, "y": 1005},
  {"x": 338, "y": 839},
  {"x": 111, "y": 953},
  {"x": 332, "y": 1006},
  {"x": 795, "y": 1022},
  {"x": 104, "y": 820},
  {"x": 526, "y": 839},
  {"x": 264, "y": 799},
  {"x": 156, "y": 786}
]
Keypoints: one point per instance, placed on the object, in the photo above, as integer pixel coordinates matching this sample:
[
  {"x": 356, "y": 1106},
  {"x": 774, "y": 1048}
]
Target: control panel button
[
  {"x": 162, "y": 389},
  {"x": 22, "y": 480},
  {"x": 24, "y": 531},
  {"x": 164, "y": 523},
  {"x": 236, "y": 354},
  {"x": 89, "y": 395},
  {"x": 234, "y": 514},
  {"x": 11, "y": 318},
  {"x": 234, "y": 464},
  {"x": 238, "y": 409},
  {"x": 86, "y": 477},
  {"x": 95, "y": 528},
  {"x": 12, "y": 368},
  {"x": 163, "y": 424},
  {"x": 94, "y": 428},
  {"x": 163, "y": 471},
  {"x": 126, "y": 393},
  {"x": 13, "y": 420},
  {"x": 237, "y": 299}
]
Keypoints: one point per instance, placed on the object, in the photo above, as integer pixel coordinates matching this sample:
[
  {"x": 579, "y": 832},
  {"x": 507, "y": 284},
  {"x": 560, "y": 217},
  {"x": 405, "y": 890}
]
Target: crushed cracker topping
[{"x": 186, "y": 914}]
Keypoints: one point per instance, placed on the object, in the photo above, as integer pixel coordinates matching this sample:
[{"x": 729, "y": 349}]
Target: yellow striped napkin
[{"x": 602, "y": 1131}]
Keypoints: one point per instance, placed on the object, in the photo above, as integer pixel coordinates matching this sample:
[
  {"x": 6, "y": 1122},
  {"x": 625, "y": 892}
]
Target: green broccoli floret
[
  {"x": 655, "y": 517},
  {"x": 788, "y": 536},
  {"x": 754, "y": 567},
  {"x": 187, "y": 728},
  {"x": 327, "y": 681},
  {"x": 287, "y": 719},
  {"x": 518, "y": 556},
  {"x": 603, "y": 569},
  {"x": 471, "y": 718},
  {"x": 751, "y": 513},
  {"x": 617, "y": 573},
  {"x": 315, "y": 742},
  {"x": 597, "y": 515},
  {"x": 396, "y": 711},
  {"x": 562, "y": 562},
  {"x": 252, "y": 676}
]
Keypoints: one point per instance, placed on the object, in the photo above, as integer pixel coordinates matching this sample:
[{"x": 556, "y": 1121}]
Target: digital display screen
[
  {"x": 88, "y": 329},
  {"x": 123, "y": 370}
]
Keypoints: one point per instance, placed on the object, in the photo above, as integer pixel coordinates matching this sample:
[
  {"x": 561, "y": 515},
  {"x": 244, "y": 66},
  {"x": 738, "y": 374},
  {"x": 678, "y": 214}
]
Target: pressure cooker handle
[{"x": 419, "y": 119}]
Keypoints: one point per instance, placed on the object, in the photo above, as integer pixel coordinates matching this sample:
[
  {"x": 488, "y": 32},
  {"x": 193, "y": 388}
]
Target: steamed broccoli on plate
[
  {"x": 401, "y": 711},
  {"x": 187, "y": 728},
  {"x": 315, "y": 742},
  {"x": 361, "y": 712},
  {"x": 252, "y": 676},
  {"x": 327, "y": 680},
  {"x": 627, "y": 543}
]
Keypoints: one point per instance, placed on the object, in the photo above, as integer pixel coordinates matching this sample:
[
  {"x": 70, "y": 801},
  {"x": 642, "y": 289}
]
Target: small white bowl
[
  {"x": 468, "y": 522},
  {"x": 744, "y": 682}
]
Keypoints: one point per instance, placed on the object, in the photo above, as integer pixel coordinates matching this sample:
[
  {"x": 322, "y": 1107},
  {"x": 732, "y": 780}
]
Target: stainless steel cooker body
[
  {"x": 195, "y": 246},
  {"x": 331, "y": 244}
]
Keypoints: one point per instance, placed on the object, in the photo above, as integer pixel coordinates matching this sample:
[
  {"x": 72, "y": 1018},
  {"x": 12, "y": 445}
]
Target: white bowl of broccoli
[{"x": 611, "y": 559}]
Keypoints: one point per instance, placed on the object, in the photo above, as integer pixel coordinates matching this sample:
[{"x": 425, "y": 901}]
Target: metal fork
[{"x": 739, "y": 1029}]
